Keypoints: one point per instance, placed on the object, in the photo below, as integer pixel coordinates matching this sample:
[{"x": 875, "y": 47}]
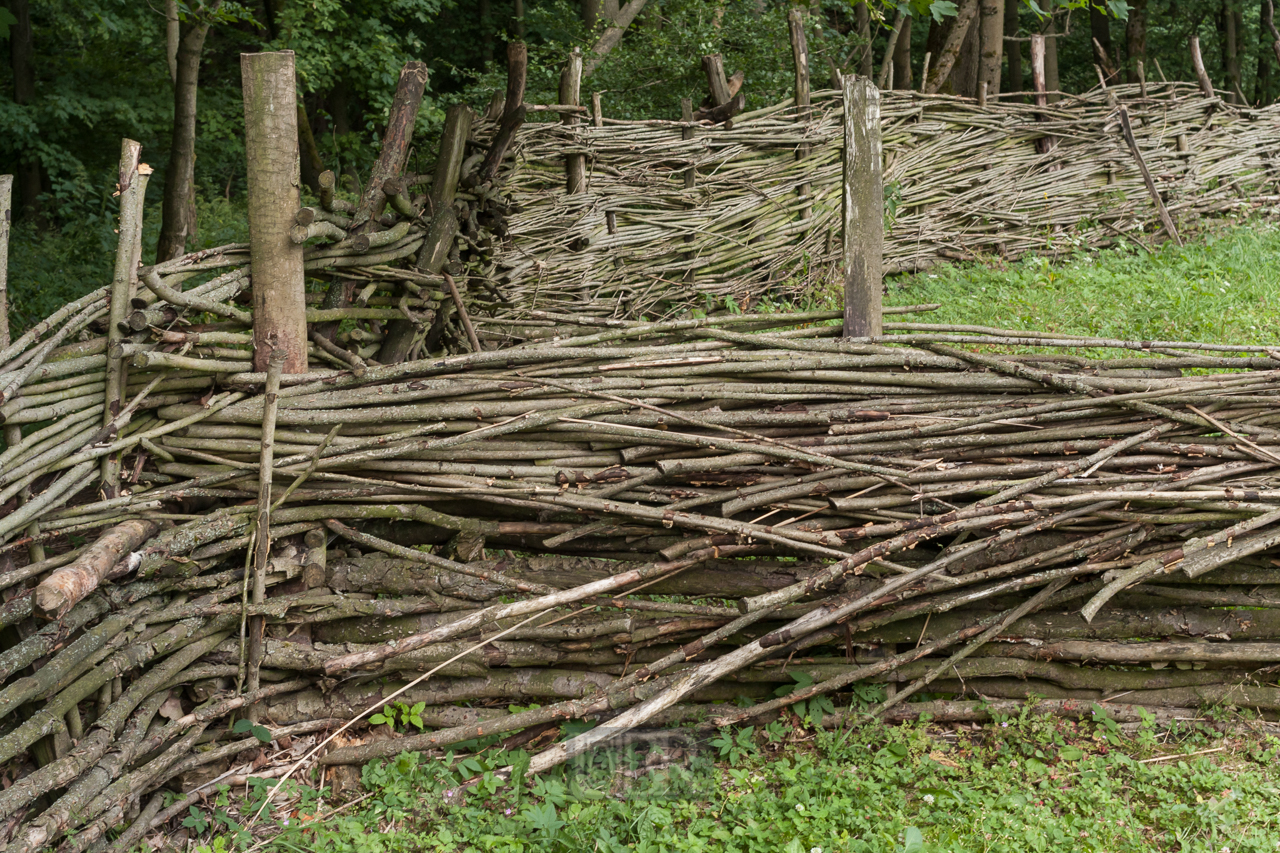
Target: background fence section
[{"x": 961, "y": 181}]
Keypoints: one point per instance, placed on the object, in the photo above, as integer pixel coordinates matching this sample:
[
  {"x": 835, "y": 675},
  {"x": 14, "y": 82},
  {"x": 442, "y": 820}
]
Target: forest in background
[{"x": 84, "y": 75}]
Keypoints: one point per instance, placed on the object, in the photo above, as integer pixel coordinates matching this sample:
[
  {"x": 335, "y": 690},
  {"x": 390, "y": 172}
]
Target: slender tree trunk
[
  {"x": 518, "y": 23},
  {"x": 22, "y": 55},
  {"x": 946, "y": 57},
  {"x": 1229, "y": 43},
  {"x": 486, "y": 33},
  {"x": 1135, "y": 36},
  {"x": 1013, "y": 49},
  {"x": 172, "y": 35},
  {"x": 862, "y": 18},
  {"x": 964, "y": 74},
  {"x": 312, "y": 163},
  {"x": 1269, "y": 22},
  {"x": 991, "y": 44},
  {"x": 590, "y": 10},
  {"x": 1100, "y": 31},
  {"x": 612, "y": 35},
  {"x": 178, "y": 218},
  {"x": 902, "y": 57},
  {"x": 1267, "y": 34},
  {"x": 1051, "y": 80}
]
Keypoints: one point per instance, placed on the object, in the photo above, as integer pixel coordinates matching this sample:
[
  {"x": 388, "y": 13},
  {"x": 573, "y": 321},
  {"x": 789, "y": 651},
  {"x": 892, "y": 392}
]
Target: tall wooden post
[
  {"x": 271, "y": 149},
  {"x": 800, "y": 58},
  {"x": 6, "y": 216},
  {"x": 575, "y": 165},
  {"x": 132, "y": 182},
  {"x": 863, "y": 209},
  {"x": 1044, "y": 143},
  {"x": 1197, "y": 62}
]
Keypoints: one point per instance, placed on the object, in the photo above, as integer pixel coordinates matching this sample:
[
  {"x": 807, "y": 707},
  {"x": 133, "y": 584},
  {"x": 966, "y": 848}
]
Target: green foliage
[
  {"x": 244, "y": 725},
  {"x": 400, "y": 714}
]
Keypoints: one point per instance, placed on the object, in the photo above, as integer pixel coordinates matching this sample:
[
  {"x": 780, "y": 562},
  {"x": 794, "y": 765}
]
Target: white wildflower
[{"x": 928, "y": 798}]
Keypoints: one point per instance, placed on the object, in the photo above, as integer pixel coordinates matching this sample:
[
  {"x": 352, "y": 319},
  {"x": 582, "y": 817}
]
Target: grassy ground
[
  {"x": 1029, "y": 783},
  {"x": 1222, "y": 288},
  {"x": 1025, "y": 784}
]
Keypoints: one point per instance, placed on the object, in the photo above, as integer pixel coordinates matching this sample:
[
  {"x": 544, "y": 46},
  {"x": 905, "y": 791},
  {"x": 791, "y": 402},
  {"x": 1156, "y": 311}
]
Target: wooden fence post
[
  {"x": 800, "y": 57},
  {"x": 132, "y": 181},
  {"x": 597, "y": 120},
  {"x": 1044, "y": 144},
  {"x": 686, "y": 133},
  {"x": 453, "y": 145},
  {"x": 575, "y": 165},
  {"x": 863, "y": 209},
  {"x": 271, "y": 150},
  {"x": 6, "y": 216}
]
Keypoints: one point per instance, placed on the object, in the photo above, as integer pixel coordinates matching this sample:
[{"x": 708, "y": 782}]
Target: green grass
[
  {"x": 1222, "y": 288},
  {"x": 1030, "y": 783}
]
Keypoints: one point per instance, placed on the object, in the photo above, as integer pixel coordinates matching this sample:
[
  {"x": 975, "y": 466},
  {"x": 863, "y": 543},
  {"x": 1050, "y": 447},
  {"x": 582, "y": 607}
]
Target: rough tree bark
[
  {"x": 172, "y": 35},
  {"x": 396, "y": 139},
  {"x": 862, "y": 18},
  {"x": 902, "y": 57},
  {"x": 1052, "y": 82},
  {"x": 178, "y": 216},
  {"x": 991, "y": 44},
  {"x": 964, "y": 74},
  {"x": 6, "y": 215},
  {"x": 1013, "y": 81},
  {"x": 863, "y": 209},
  {"x": 1100, "y": 31},
  {"x": 271, "y": 148},
  {"x": 1135, "y": 37},
  {"x": 22, "y": 54},
  {"x": 945, "y": 58}
]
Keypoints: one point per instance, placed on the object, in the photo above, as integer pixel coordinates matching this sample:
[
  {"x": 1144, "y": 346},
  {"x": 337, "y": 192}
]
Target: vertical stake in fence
[
  {"x": 271, "y": 151},
  {"x": 686, "y": 133},
  {"x": 924, "y": 72},
  {"x": 800, "y": 56},
  {"x": 6, "y": 217},
  {"x": 276, "y": 361},
  {"x": 597, "y": 120},
  {"x": 1044, "y": 144},
  {"x": 863, "y": 209},
  {"x": 1142, "y": 80},
  {"x": 1206, "y": 85},
  {"x": 132, "y": 182},
  {"x": 575, "y": 165}
]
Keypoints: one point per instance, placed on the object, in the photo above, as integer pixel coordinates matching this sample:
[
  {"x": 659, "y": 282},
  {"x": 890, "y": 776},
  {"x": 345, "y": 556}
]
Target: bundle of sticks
[{"x": 639, "y": 522}]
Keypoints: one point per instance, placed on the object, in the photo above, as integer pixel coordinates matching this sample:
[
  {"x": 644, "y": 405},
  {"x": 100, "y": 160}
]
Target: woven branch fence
[{"x": 962, "y": 181}]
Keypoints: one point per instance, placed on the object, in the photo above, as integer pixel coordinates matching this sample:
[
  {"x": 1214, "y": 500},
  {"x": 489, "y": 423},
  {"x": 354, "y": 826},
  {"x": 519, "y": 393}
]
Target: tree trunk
[
  {"x": 1052, "y": 82},
  {"x": 486, "y": 33},
  {"x": 964, "y": 74},
  {"x": 178, "y": 218},
  {"x": 612, "y": 35},
  {"x": 271, "y": 149},
  {"x": 590, "y": 13},
  {"x": 1135, "y": 36},
  {"x": 1100, "y": 31},
  {"x": 991, "y": 45},
  {"x": 311, "y": 162},
  {"x": 902, "y": 57},
  {"x": 518, "y": 15},
  {"x": 1228, "y": 44},
  {"x": 945, "y": 58},
  {"x": 172, "y": 35},
  {"x": 22, "y": 55},
  {"x": 862, "y": 17},
  {"x": 1013, "y": 81}
]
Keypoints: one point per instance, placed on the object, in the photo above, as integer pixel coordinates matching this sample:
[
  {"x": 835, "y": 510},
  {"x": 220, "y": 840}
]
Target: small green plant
[
  {"x": 735, "y": 746},
  {"x": 244, "y": 725},
  {"x": 400, "y": 714}
]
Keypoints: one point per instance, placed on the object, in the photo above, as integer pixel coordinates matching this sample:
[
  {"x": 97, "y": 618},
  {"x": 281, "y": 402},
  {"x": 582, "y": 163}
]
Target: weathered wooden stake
[
  {"x": 276, "y": 361},
  {"x": 597, "y": 120},
  {"x": 271, "y": 149},
  {"x": 1206, "y": 85},
  {"x": 396, "y": 140},
  {"x": 6, "y": 216},
  {"x": 453, "y": 146},
  {"x": 686, "y": 133},
  {"x": 1045, "y": 143},
  {"x": 863, "y": 207},
  {"x": 575, "y": 165},
  {"x": 512, "y": 111},
  {"x": 713, "y": 65},
  {"x": 1126, "y": 128},
  {"x": 132, "y": 182}
]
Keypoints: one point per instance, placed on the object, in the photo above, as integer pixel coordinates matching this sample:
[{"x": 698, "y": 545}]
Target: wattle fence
[{"x": 962, "y": 181}]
